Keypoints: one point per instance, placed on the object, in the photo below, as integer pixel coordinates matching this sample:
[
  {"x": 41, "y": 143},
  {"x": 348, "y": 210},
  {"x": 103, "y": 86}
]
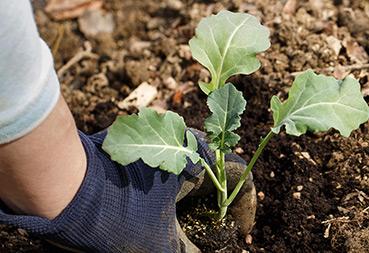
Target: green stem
[
  {"x": 249, "y": 167},
  {"x": 212, "y": 176},
  {"x": 222, "y": 196},
  {"x": 217, "y": 158}
]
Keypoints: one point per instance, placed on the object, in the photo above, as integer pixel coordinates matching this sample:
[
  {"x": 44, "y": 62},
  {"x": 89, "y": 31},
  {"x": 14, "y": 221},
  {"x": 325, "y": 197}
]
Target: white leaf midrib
[
  {"x": 183, "y": 149},
  {"x": 229, "y": 41},
  {"x": 326, "y": 103},
  {"x": 296, "y": 113}
]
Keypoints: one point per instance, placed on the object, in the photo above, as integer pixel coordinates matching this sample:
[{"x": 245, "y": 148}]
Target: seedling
[{"x": 227, "y": 44}]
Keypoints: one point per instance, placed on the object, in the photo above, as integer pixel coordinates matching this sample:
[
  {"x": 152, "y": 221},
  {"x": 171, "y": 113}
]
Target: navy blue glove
[{"x": 117, "y": 208}]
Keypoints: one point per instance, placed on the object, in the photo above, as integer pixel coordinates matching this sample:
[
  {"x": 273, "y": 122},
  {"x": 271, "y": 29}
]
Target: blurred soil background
[{"x": 114, "y": 56}]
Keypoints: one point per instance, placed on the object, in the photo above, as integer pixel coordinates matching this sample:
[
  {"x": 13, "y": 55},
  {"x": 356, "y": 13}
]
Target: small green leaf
[
  {"x": 156, "y": 139},
  {"x": 226, "y": 104},
  {"x": 227, "y": 44},
  {"x": 317, "y": 103},
  {"x": 206, "y": 88}
]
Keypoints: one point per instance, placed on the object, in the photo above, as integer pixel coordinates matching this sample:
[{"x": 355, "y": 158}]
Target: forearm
[
  {"x": 41, "y": 172},
  {"x": 42, "y": 161}
]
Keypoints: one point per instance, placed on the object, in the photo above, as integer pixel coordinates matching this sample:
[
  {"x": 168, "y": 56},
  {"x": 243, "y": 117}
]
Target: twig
[
  {"x": 344, "y": 219},
  {"x": 339, "y": 219},
  {"x": 58, "y": 39},
  {"x": 331, "y": 69},
  {"x": 327, "y": 230},
  {"x": 75, "y": 59}
]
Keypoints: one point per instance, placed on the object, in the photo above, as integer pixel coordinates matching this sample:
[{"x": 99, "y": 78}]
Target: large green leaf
[
  {"x": 226, "y": 104},
  {"x": 156, "y": 139},
  {"x": 317, "y": 103},
  {"x": 226, "y": 44}
]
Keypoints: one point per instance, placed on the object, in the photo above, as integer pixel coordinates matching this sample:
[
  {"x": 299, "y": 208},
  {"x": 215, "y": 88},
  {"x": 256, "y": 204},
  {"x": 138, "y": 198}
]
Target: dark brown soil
[{"x": 313, "y": 190}]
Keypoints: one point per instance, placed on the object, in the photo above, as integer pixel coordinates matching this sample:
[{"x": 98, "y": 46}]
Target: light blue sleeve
[{"x": 29, "y": 88}]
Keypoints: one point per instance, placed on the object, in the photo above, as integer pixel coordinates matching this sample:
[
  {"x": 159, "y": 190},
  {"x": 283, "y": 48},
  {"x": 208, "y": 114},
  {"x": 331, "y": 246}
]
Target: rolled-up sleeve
[{"x": 29, "y": 88}]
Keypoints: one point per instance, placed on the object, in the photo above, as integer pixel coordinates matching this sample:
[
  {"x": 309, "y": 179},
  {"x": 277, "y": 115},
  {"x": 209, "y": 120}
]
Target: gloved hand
[
  {"x": 117, "y": 208},
  {"x": 128, "y": 208}
]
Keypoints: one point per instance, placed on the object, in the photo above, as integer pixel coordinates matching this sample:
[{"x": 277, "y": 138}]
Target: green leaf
[
  {"x": 317, "y": 103},
  {"x": 206, "y": 88},
  {"x": 226, "y": 104},
  {"x": 226, "y": 44},
  {"x": 156, "y": 139}
]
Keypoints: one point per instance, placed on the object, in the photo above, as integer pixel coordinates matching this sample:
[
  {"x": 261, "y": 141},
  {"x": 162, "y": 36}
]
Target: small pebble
[
  {"x": 311, "y": 217},
  {"x": 186, "y": 104},
  {"x": 272, "y": 175},
  {"x": 300, "y": 187},
  {"x": 171, "y": 83},
  {"x": 261, "y": 196},
  {"x": 296, "y": 195},
  {"x": 22, "y": 232},
  {"x": 248, "y": 239},
  {"x": 152, "y": 68},
  {"x": 239, "y": 150}
]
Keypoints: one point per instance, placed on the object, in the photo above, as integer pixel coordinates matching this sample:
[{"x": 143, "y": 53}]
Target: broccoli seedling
[{"x": 227, "y": 44}]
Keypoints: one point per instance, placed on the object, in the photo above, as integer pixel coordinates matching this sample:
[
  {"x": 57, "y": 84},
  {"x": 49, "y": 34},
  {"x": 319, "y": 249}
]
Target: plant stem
[
  {"x": 222, "y": 196},
  {"x": 249, "y": 167},
  {"x": 217, "y": 170},
  {"x": 212, "y": 176}
]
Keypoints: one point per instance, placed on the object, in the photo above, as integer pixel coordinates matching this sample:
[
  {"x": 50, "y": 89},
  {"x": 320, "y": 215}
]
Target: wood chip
[
  {"x": 94, "y": 22},
  {"x": 307, "y": 156},
  {"x": 356, "y": 52},
  {"x": 334, "y": 44},
  {"x": 68, "y": 9},
  {"x": 142, "y": 96}
]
